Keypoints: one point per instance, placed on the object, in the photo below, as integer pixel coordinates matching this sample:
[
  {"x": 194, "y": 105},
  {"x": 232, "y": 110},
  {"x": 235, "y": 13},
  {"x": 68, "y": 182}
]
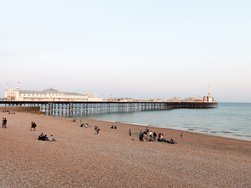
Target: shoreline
[
  {"x": 244, "y": 138},
  {"x": 176, "y": 130},
  {"x": 81, "y": 158},
  {"x": 223, "y": 134}
]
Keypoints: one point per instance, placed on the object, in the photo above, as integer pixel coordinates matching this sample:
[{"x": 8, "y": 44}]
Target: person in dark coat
[
  {"x": 33, "y": 125},
  {"x": 4, "y": 123}
]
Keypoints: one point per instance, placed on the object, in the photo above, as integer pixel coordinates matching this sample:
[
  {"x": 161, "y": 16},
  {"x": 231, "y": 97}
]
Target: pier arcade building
[{"x": 47, "y": 95}]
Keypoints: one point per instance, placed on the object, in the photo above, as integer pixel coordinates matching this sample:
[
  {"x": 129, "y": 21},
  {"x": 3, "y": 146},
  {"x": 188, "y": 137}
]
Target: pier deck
[{"x": 73, "y": 108}]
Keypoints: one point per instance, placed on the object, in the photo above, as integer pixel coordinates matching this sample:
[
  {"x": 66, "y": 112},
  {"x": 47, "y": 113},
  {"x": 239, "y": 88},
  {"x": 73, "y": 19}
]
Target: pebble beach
[{"x": 81, "y": 158}]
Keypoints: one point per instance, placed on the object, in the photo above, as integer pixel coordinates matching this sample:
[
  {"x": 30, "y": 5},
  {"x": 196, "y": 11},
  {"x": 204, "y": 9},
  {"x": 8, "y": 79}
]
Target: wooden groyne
[{"x": 69, "y": 108}]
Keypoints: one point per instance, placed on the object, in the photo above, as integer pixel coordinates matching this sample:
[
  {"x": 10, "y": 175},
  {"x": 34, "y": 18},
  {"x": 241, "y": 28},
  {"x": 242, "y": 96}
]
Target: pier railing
[{"x": 87, "y": 108}]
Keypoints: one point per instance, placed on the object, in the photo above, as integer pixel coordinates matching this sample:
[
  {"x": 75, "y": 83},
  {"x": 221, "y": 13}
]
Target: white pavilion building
[{"x": 47, "y": 95}]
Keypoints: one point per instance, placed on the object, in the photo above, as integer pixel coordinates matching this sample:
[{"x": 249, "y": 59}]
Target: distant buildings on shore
[{"x": 47, "y": 95}]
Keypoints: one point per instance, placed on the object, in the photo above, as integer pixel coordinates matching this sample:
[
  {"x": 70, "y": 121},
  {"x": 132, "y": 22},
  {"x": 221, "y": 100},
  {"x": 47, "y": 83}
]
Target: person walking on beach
[
  {"x": 96, "y": 129},
  {"x": 130, "y": 133},
  {"x": 4, "y": 123},
  {"x": 141, "y": 136},
  {"x": 181, "y": 134},
  {"x": 33, "y": 125}
]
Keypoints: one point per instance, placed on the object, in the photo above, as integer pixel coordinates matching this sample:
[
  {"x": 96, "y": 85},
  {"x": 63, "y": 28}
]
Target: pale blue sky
[{"x": 139, "y": 48}]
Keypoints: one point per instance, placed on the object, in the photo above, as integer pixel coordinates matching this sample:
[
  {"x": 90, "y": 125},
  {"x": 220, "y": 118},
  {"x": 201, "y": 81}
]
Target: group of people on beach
[
  {"x": 7, "y": 111},
  {"x": 152, "y": 136},
  {"x": 86, "y": 125},
  {"x": 113, "y": 127},
  {"x": 146, "y": 135},
  {"x": 4, "y": 119},
  {"x": 44, "y": 137}
]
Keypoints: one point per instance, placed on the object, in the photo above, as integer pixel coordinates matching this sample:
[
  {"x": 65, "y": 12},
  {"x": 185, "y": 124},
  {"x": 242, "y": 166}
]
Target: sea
[{"x": 227, "y": 120}]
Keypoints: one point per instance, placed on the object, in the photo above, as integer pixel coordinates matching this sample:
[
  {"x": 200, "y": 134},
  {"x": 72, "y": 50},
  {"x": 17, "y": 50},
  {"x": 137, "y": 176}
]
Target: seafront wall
[{"x": 87, "y": 108}]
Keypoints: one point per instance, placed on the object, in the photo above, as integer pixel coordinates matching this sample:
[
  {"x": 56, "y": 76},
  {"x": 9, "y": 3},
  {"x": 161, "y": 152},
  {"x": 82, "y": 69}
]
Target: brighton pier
[{"x": 74, "y": 108}]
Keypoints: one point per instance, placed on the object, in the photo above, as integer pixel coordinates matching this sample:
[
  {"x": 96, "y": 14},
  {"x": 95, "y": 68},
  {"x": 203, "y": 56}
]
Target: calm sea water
[{"x": 228, "y": 120}]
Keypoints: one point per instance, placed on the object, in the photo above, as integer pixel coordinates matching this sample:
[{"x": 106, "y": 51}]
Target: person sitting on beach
[
  {"x": 46, "y": 138},
  {"x": 95, "y": 127},
  {"x": 51, "y": 138},
  {"x": 115, "y": 127},
  {"x": 172, "y": 141},
  {"x": 150, "y": 136},
  {"x": 33, "y": 125},
  {"x": 146, "y": 131},
  {"x": 162, "y": 139},
  {"x": 150, "y": 133},
  {"x": 41, "y": 136},
  {"x": 112, "y": 127},
  {"x": 160, "y": 136},
  {"x": 82, "y": 125}
]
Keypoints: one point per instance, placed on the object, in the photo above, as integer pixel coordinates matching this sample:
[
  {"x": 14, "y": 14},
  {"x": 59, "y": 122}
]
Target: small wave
[
  {"x": 226, "y": 132},
  {"x": 189, "y": 124},
  {"x": 249, "y": 136},
  {"x": 204, "y": 131},
  {"x": 238, "y": 135}
]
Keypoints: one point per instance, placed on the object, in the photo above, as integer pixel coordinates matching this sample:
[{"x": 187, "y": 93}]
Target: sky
[{"x": 132, "y": 48}]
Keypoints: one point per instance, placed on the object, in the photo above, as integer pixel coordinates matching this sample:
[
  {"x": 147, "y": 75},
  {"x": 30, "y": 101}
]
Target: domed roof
[{"x": 51, "y": 90}]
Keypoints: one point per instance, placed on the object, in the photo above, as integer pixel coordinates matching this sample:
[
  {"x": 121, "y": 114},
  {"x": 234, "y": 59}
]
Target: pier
[{"x": 71, "y": 109}]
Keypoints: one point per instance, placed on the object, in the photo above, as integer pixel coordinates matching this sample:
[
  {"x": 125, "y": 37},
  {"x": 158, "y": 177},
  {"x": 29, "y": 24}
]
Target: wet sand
[{"x": 80, "y": 158}]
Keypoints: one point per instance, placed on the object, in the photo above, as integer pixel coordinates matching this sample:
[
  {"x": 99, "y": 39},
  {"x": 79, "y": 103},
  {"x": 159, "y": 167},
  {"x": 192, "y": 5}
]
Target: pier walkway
[{"x": 70, "y": 108}]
